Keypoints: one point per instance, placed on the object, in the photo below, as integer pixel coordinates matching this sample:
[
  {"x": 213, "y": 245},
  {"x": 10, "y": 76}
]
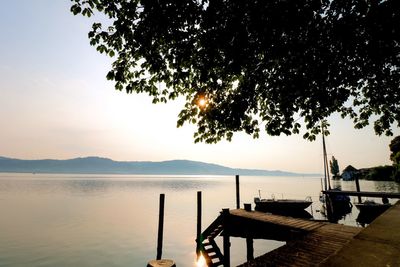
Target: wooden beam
[{"x": 363, "y": 193}]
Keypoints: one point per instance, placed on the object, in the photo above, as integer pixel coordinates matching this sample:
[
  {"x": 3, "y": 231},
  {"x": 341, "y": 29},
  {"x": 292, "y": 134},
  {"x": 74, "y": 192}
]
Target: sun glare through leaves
[{"x": 202, "y": 102}]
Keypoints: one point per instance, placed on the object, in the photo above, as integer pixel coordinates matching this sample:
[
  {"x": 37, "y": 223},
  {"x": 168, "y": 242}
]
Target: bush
[
  {"x": 381, "y": 173},
  {"x": 396, "y": 173}
]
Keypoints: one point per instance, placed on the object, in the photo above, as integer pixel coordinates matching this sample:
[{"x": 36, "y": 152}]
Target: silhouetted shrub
[{"x": 381, "y": 173}]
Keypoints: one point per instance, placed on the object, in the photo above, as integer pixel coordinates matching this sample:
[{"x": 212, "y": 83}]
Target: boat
[
  {"x": 370, "y": 210},
  {"x": 282, "y": 206},
  {"x": 371, "y": 207},
  {"x": 341, "y": 203}
]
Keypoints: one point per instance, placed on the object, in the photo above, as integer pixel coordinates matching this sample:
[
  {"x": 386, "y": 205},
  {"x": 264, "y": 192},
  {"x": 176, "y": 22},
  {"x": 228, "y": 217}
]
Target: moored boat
[
  {"x": 370, "y": 210},
  {"x": 339, "y": 205},
  {"x": 371, "y": 207},
  {"x": 281, "y": 205}
]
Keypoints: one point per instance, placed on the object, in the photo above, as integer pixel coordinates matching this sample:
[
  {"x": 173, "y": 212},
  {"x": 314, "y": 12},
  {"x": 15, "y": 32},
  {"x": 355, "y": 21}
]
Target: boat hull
[
  {"x": 369, "y": 212},
  {"x": 282, "y": 205},
  {"x": 373, "y": 208}
]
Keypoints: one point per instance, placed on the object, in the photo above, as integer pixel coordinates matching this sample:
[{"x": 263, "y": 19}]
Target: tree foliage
[
  {"x": 257, "y": 64},
  {"x": 381, "y": 173},
  {"x": 394, "y": 147},
  {"x": 334, "y": 166},
  {"x": 396, "y": 173}
]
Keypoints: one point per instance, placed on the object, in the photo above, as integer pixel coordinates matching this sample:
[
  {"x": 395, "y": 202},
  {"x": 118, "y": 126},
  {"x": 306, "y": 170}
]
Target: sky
[{"x": 55, "y": 102}]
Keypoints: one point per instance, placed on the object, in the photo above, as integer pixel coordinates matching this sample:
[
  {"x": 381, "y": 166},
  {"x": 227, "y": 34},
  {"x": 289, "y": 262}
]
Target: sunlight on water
[{"x": 201, "y": 262}]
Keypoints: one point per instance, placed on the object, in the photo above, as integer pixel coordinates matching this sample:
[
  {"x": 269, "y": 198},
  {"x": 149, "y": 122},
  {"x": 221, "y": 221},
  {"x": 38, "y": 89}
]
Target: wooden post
[
  {"x": 358, "y": 188},
  {"x": 199, "y": 238},
  {"x": 160, "y": 227},
  {"x": 161, "y": 263},
  {"x": 227, "y": 256},
  {"x": 330, "y": 211},
  {"x": 322, "y": 185},
  {"x": 247, "y": 206},
  {"x": 158, "y": 262},
  {"x": 226, "y": 241},
  {"x": 250, "y": 248},
  {"x": 237, "y": 192},
  {"x": 249, "y": 239}
]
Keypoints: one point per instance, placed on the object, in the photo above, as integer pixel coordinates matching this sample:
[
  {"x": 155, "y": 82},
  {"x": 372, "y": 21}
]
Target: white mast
[{"x": 326, "y": 168}]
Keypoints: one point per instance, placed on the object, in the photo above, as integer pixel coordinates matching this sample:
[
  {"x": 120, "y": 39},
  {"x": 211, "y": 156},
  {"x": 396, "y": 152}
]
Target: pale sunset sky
[{"x": 55, "y": 102}]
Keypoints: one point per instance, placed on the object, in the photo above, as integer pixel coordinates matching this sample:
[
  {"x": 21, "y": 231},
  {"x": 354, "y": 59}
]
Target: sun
[{"x": 202, "y": 102}]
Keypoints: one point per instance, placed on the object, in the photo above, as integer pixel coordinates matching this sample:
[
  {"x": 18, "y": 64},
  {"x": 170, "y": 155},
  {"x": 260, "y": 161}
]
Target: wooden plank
[
  {"x": 287, "y": 222},
  {"x": 321, "y": 240},
  {"x": 312, "y": 227},
  {"x": 376, "y": 245},
  {"x": 305, "y": 224},
  {"x": 261, "y": 216},
  {"x": 310, "y": 250}
]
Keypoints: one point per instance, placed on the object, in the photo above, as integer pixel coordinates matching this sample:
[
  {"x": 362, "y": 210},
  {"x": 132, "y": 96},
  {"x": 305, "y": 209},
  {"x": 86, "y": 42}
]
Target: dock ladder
[{"x": 208, "y": 247}]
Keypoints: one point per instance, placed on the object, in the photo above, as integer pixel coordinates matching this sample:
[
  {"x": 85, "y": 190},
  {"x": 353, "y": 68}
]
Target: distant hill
[{"x": 97, "y": 165}]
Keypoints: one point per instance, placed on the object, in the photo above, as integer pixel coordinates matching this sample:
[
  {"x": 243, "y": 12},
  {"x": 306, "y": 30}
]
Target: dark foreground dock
[
  {"x": 311, "y": 250},
  {"x": 376, "y": 245},
  {"x": 308, "y": 242},
  {"x": 340, "y": 245}
]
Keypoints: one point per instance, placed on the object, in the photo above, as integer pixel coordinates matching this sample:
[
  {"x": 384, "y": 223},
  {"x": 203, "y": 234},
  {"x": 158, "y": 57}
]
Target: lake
[{"x": 111, "y": 220}]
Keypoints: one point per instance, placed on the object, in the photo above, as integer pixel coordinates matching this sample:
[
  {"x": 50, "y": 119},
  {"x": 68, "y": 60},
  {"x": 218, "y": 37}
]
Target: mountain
[{"x": 97, "y": 165}]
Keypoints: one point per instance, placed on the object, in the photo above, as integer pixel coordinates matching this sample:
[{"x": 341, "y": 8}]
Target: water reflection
[
  {"x": 96, "y": 185},
  {"x": 339, "y": 211},
  {"x": 201, "y": 262},
  {"x": 111, "y": 220},
  {"x": 85, "y": 186},
  {"x": 388, "y": 186}
]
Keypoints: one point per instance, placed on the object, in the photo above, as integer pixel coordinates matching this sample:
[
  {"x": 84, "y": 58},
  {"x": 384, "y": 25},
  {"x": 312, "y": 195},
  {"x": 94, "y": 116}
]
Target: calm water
[{"x": 111, "y": 220}]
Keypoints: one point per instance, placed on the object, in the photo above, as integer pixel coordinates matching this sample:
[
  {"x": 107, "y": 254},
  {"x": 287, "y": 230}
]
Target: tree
[
  {"x": 394, "y": 147},
  {"x": 256, "y": 64},
  {"x": 395, "y": 157},
  {"x": 381, "y": 173},
  {"x": 334, "y": 167}
]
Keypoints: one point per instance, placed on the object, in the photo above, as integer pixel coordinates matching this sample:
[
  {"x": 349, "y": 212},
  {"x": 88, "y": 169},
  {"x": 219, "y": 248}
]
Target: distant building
[{"x": 349, "y": 173}]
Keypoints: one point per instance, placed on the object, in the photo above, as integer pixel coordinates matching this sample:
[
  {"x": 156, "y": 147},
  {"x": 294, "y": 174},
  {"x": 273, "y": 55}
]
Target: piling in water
[
  {"x": 358, "y": 188},
  {"x": 226, "y": 240},
  {"x": 158, "y": 262},
  {"x": 237, "y": 192},
  {"x": 199, "y": 239},
  {"x": 160, "y": 227}
]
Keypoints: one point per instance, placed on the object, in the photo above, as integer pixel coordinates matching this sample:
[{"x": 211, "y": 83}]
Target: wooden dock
[
  {"x": 310, "y": 250},
  {"x": 340, "y": 245},
  {"x": 308, "y": 242},
  {"x": 376, "y": 245},
  {"x": 242, "y": 223}
]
